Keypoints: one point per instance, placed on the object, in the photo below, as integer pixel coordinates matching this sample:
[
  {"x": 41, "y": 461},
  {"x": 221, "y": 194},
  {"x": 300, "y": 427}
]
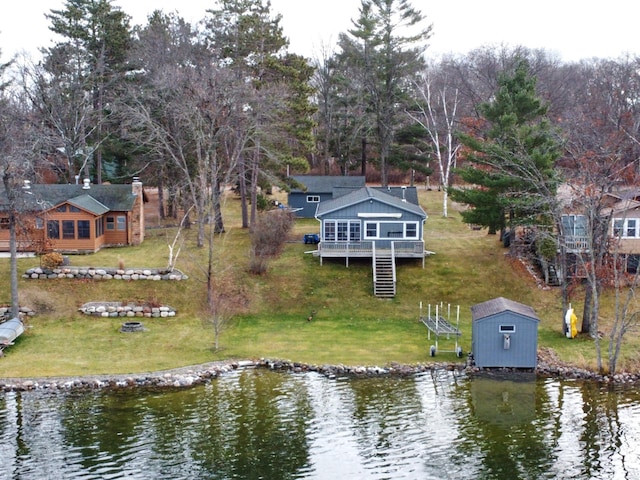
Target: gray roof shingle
[{"x": 498, "y": 305}]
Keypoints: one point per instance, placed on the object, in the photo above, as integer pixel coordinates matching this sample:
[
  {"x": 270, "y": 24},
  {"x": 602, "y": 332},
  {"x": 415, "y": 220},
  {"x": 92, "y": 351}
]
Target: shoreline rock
[{"x": 200, "y": 374}]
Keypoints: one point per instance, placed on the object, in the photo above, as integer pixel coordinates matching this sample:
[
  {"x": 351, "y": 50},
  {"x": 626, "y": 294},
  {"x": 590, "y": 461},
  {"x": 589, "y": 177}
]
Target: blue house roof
[{"x": 365, "y": 194}]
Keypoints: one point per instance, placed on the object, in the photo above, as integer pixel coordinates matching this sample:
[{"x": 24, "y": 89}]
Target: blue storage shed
[{"x": 504, "y": 334}]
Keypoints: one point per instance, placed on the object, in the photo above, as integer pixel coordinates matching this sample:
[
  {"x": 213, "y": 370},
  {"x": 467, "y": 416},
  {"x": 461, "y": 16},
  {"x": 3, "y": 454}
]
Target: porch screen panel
[
  {"x": 354, "y": 232},
  {"x": 391, "y": 230},
  {"x": 53, "y": 229},
  {"x": 84, "y": 229},
  {"x": 68, "y": 229},
  {"x": 343, "y": 231},
  {"x": 330, "y": 231}
]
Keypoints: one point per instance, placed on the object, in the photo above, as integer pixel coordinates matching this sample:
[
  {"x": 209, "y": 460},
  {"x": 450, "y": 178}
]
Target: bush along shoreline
[{"x": 199, "y": 374}]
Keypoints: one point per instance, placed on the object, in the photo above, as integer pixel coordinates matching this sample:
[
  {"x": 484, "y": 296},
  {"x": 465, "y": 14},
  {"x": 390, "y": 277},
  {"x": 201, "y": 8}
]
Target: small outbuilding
[{"x": 504, "y": 334}]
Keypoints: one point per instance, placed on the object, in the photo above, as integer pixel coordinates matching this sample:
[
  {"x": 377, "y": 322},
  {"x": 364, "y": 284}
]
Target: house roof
[
  {"x": 327, "y": 183},
  {"x": 95, "y": 199},
  {"x": 410, "y": 194},
  {"x": 90, "y": 204},
  {"x": 499, "y": 305},
  {"x": 365, "y": 194}
]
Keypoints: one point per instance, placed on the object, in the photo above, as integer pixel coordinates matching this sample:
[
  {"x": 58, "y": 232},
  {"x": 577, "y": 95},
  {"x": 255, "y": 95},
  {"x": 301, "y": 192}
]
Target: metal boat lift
[{"x": 438, "y": 325}]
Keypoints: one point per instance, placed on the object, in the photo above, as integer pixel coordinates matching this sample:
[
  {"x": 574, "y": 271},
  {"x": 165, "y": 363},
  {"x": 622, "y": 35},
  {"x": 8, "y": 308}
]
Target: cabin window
[
  {"x": 411, "y": 230},
  {"x": 68, "y": 229},
  {"x": 84, "y": 229},
  {"x": 574, "y": 225},
  {"x": 4, "y": 223},
  {"x": 354, "y": 231},
  {"x": 111, "y": 223},
  {"x": 74, "y": 209},
  {"x": 330, "y": 231},
  {"x": 371, "y": 230},
  {"x": 53, "y": 229},
  {"x": 99, "y": 229},
  {"x": 313, "y": 198},
  {"x": 341, "y": 231},
  {"x": 507, "y": 328},
  {"x": 633, "y": 261},
  {"x": 61, "y": 208},
  {"x": 121, "y": 222},
  {"x": 626, "y": 227}
]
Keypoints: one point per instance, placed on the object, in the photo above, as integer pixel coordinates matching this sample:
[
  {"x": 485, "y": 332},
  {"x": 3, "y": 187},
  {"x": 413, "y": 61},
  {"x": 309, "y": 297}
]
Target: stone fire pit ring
[{"x": 130, "y": 327}]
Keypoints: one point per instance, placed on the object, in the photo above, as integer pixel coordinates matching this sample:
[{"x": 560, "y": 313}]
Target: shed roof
[
  {"x": 501, "y": 304},
  {"x": 366, "y": 194},
  {"x": 326, "y": 183}
]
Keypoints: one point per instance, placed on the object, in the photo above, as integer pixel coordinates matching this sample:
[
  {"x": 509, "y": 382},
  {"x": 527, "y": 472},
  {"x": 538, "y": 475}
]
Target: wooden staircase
[{"x": 384, "y": 274}]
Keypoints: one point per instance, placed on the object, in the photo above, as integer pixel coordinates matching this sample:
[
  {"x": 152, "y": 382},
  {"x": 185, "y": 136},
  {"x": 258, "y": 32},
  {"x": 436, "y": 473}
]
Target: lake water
[{"x": 260, "y": 424}]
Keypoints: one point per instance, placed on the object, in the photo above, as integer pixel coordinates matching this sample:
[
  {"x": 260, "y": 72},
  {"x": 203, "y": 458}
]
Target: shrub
[
  {"x": 268, "y": 236},
  {"x": 51, "y": 260}
]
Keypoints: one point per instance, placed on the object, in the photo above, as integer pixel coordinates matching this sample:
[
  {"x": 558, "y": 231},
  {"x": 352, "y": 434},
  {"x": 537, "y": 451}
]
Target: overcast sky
[{"x": 573, "y": 29}]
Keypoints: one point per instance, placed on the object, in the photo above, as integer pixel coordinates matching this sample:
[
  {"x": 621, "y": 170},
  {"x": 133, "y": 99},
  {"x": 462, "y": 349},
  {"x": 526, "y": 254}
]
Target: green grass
[{"x": 349, "y": 326}]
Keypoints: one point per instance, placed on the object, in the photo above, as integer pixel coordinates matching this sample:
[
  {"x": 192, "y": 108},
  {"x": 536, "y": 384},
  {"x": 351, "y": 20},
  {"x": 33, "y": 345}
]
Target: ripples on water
[{"x": 262, "y": 424}]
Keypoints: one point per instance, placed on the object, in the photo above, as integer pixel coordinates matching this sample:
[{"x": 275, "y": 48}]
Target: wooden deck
[{"x": 400, "y": 248}]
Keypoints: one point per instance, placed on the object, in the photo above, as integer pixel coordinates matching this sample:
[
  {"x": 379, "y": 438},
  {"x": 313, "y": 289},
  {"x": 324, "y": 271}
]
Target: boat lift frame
[{"x": 439, "y": 325}]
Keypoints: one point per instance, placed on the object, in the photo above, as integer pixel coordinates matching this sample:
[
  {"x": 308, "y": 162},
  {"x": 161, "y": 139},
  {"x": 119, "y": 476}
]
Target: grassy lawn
[{"x": 349, "y": 325}]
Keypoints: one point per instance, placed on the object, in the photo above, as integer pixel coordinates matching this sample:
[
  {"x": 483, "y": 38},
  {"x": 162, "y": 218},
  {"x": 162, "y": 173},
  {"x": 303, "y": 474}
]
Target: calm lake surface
[{"x": 260, "y": 424}]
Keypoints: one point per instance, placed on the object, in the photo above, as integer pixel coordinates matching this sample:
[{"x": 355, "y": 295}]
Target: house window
[
  {"x": 507, "y": 328},
  {"x": 84, "y": 229},
  {"x": 313, "y": 198},
  {"x": 4, "y": 223},
  {"x": 111, "y": 223},
  {"x": 61, "y": 208},
  {"x": 53, "y": 229},
  {"x": 74, "y": 209},
  {"x": 371, "y": 230},
  {"x": 633, "y": 261},
  {"x": 411, "y": 230},
  {"x": 99, "y": 230},
  {"x": 626, "y": 227},
  {"x": 39, "y": 223},
  {"x": 330, "y": 231},
  {"x": 121, "y": 222},
  {"x": 574, "y": 225},
  {"x": 343, "y": 228},
  {"x": 68, "y": 229},
  {"x": 342, "y": 231},
  {"x": 354, "y": 231}
]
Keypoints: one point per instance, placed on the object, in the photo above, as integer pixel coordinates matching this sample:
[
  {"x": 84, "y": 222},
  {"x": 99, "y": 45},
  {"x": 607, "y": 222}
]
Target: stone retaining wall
[
  {"x": 191, "y": 376},
  {"x": 104, "y": 273},
  {"x": 5, "y": 312},
  {"x": 117, "y": 309}
]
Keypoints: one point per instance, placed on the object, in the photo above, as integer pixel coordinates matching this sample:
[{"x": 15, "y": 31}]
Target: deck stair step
[{"x": 384, "y": 284}]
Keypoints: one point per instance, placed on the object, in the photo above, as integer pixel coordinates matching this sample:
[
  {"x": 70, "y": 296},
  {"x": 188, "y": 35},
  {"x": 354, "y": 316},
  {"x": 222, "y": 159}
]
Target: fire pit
[{"x": 128, "y": 327}]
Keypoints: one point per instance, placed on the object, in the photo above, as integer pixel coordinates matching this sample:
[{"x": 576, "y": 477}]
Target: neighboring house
[
  {"x": 77, "y": 218},
  {"x": 316, "y": 189},
  {"x": 623, "y": 210},
  {"x": 504, "y": 334},
  {"x": 372, "y": 223}
]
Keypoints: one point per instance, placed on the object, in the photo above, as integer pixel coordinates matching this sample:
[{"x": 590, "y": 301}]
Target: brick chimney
[{"x": 137, "y": 214}]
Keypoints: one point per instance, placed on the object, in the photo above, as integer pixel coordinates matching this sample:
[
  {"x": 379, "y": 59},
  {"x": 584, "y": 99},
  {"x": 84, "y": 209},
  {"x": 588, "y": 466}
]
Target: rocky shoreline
[{"x": 186, "y": 377}]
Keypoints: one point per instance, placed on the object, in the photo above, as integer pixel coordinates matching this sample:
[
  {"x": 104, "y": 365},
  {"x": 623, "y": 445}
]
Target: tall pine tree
[{"x": 510, "y": 162}]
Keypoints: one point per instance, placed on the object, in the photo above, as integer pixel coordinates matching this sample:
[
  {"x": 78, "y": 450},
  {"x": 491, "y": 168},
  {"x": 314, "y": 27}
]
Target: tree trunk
[
  {"x": 363, "y": 158},
  {"x": 242, "y": 187}
]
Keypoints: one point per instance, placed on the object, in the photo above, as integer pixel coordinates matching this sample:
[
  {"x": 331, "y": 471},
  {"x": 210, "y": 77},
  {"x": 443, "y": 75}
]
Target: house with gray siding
[
  {"x": 313, "y": 189},
  {"x": 372, "y": 223},
  {"x": 504, "y": 334}
]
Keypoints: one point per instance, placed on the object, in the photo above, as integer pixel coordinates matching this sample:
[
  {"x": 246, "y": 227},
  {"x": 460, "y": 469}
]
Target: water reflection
[{"x": 263, "y": 424}]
